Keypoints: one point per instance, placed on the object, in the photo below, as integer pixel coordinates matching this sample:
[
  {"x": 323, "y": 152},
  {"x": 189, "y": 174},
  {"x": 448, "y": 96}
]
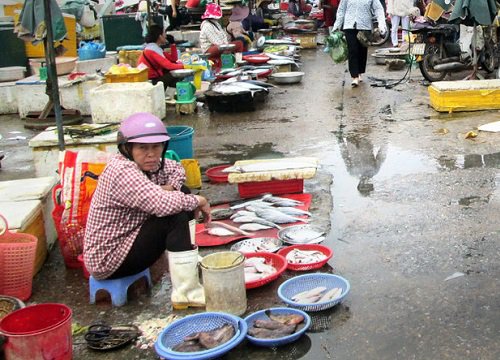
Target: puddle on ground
[
  {"x": 234, "y": 152},
  {"x": 470, "y": 161}
]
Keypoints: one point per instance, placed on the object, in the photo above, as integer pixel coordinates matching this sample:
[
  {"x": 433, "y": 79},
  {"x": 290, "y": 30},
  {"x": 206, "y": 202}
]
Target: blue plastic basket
[
  {"x": 302, "y": 283},
  {"x": 261, "y": 315},
  {"x": 175, "y": 333}
]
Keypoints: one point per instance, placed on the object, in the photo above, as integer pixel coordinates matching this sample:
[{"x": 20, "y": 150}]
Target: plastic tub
[
  {"x": 181, "y": 141},
  {"x": 216, "y": 175},
  {"x": 224, "y": 282},
  {"x": 307, "y": 247},
  {"x": 261, "y": 315},
  {"x": 64, "y": 65},
  {"x": 37, "y": 332},
  {"x": 12, "y": 73}
]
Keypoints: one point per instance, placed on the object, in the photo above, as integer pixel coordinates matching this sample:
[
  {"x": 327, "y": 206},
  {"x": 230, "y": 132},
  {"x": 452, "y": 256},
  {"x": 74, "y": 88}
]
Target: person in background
[
  {"x": 400, "y": 11},
  {"x": 352, "y": 17},
  {"x": 235, "y": 27},
  {"x": 171, "y": 7},
  {"x": 329, "y": 11},
  {"x": 259, "y": 19},
  {"x": 139, "y": 210},
  {"x": 159, "y": 63},
  {"x": 212, "y": 34}
]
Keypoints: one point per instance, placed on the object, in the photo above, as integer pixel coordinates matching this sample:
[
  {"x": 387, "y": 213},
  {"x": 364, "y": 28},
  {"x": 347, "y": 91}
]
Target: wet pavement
[{"x": 406, "y": 204}]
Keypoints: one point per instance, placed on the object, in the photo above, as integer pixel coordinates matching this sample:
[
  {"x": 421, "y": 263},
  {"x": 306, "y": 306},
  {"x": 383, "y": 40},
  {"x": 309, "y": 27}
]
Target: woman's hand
[
  {"x": 167, "y": 187},
  {"x": 203, "y": 208}
]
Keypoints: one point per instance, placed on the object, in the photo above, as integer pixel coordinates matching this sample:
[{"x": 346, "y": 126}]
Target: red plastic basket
[
  {"x": 275, "y": 187},
  {"x": 70, "y": 236},
  {"x": 216, "y": 175},
  {"x": 275, "y": 260},
  {"x": 17, "y": 262},
  {"x": 307, "y": 247}
]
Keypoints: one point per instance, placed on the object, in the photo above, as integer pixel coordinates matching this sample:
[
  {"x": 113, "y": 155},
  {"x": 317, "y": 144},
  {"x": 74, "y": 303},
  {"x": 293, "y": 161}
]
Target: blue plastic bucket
[{"x": 181, "y": 141}]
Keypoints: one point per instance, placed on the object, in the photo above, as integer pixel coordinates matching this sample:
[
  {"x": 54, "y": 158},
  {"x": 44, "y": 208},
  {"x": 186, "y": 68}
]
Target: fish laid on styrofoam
[
  {"x": 218, "y": 224},
  {"x": 274, "y": 215},
  {"x": 297, "y": 256},
  {"x": 254, "y": 227},
  {"x": 270, "y": 166}
]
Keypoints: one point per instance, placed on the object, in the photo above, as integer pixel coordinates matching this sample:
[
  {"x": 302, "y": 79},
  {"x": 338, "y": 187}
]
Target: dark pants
[
  {"x": 157, "y": 234},
  {"x": 167, "y": 79},
  {"x": 357, "y": 53}
]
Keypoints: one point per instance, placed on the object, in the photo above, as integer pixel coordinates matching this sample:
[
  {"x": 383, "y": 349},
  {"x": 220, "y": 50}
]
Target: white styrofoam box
[
  {"x": 76, "y": 96},
  {"x": 112, "y": 102},
  {"x": 91, "y": 66},
  {"x": 33, "y": 189},
  {"x": 8, "y": 98},
  {"x": 30, "y": 95},
  {"x": 12, "y": 73}
]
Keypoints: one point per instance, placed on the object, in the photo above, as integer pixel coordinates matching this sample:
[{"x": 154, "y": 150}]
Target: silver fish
[
  {"x": 293, "y": 211},
  {"x": 317, "y": 291},
  {"x": 275, "y": 216},
  {"x": 220, "y": 231},
  {"x": 254, "y": 227},
  {"x": 229, "y": 227},
  {"x": 255, "y": 219},
  {"x": 302, "y": 234},
  {"x": 242, "y": 213},
  {"x": 276, "y": 199}
]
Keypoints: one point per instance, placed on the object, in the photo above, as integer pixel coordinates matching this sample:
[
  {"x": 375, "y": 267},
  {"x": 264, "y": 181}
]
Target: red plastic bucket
[{"x": 38, "y": 332}]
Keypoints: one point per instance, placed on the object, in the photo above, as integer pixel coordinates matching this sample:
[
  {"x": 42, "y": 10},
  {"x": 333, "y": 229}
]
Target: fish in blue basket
[
  {"x": 317, "y": 295},
  {"x": 205, "y": 340},
  {"x": 264, "y": 333},
  {"x": 287, "y": 319}
]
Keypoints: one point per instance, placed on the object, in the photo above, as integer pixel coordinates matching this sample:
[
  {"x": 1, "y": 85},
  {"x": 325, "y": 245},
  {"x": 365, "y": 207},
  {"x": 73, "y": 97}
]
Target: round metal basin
[{"x": 182, "y": 73}]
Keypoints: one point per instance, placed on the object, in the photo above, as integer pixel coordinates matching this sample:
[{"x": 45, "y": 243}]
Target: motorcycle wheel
[
  {"x": 379, "y": 39},
  {"x": 488, "y": 58},
  {"x": 427, "y": 64}
]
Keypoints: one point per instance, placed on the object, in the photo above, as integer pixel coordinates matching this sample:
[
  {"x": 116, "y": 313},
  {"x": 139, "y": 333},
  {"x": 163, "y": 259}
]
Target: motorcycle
[{"x": 438, "y": 51}]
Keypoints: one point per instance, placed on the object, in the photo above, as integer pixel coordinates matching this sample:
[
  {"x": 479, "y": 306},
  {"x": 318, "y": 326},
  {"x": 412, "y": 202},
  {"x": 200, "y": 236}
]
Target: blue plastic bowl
[
  {"x": 261, "y": 315},
  {"x": 301, "y": 283},
  {"x": 175, "y": 333}
]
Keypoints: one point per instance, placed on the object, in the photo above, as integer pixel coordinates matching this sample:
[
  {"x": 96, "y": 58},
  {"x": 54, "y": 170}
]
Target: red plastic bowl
[
  {"x": 256, "y": 59},
  {"x": 216, "y": 175},
  {"x": 275, "y": 260},
  {"x": 307, "y": 247}
]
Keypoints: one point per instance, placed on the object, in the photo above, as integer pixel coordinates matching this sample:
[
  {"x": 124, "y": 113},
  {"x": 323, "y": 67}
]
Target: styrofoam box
[
  {"x": 77, "y": 96},
  {"x": 91, "y": 66},
  {"x": 8, "y": 102},
  {"x": 12, "y": 73},
  {"x": 112, "y": 102}
]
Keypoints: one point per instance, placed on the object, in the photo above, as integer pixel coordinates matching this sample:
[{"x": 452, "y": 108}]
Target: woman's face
[
  {"x": 162, "y": 39},
  {"x": 147, "y": 156}
]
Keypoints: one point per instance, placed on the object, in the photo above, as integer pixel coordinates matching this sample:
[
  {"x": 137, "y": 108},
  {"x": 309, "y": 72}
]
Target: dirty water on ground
[{"x": 402, "y": 209}]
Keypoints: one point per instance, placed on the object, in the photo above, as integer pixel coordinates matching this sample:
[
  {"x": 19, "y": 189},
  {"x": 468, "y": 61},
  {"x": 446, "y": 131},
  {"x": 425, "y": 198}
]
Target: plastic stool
[{"x": 117, "y": 288}]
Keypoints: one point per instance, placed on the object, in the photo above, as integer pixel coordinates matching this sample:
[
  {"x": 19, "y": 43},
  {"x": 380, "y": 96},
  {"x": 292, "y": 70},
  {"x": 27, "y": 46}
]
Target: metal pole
[{"x": 52, "y": 73}]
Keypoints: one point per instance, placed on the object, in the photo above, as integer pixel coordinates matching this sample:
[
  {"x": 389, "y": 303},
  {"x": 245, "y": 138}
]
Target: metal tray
[
  {"x": 255, "y": 242},
  {"x": 283, "y": 235}
]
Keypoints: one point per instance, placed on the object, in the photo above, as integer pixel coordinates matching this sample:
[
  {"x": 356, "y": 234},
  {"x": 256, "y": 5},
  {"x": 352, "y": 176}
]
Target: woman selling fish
[
  {"x": 139, "y": 210},
  {"x": 212, "y": 34}
]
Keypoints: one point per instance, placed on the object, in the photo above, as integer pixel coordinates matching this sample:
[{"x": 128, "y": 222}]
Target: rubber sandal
[{"x": 103, "y": 337}]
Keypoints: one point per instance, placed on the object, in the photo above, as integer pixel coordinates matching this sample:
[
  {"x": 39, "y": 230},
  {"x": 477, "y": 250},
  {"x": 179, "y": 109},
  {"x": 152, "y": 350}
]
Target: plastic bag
[
  {"x": 193, "y": 173},
  {"x": 336, "y": 46}
]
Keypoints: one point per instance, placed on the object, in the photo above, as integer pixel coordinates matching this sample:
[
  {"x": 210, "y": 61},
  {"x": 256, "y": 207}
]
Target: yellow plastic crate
[
  {"x": 306, "y": 41},
  {"x": 465, "y": 95},
  {"x": 141, "y": 76},
  {"x": 69, "y": 43}
]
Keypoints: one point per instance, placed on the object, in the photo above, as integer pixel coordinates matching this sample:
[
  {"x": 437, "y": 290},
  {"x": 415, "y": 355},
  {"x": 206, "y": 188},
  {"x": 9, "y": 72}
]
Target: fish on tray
[
  {"x": 317, "y": 295},
  {"x": 297, "y": 256},
  {"x": 277, "y": 326},
  {"x": 301, "y": 234},
  {"x": 205, "y": 340},
  {"x": 256, "y": 245},
  {"x": 256, "y": 269}
]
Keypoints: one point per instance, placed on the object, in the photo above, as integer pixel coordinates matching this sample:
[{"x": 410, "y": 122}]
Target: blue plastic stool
[{"x": 117, "y": 288}]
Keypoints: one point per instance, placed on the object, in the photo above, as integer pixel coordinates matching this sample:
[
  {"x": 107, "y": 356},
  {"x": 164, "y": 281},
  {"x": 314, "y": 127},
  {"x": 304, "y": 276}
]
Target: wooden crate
[{"x": 466, "y": 95}]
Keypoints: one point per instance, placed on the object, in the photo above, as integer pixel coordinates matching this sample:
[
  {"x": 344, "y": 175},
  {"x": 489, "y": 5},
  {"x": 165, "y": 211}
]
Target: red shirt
[
  {"x": 123, "y": 200},
  {"x": 157, "y": 63}
]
